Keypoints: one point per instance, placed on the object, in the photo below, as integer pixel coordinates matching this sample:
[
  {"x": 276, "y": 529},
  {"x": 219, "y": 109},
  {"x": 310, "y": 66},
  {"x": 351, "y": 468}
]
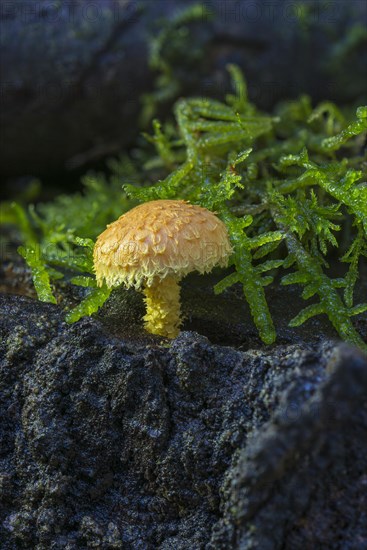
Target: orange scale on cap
[
  {"x": 190, "y": 237},
  {"x": 155, "y": 238},
  {"x": 170, "y": 214},
  {"x": 160, "y": 248},
  {"x": 141, "y": 235},
  {"x": 144, "y": 248}
]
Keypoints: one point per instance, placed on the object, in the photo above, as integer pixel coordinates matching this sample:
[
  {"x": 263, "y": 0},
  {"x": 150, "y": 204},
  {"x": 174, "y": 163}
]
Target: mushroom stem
[{"x": 162, "y": 299}]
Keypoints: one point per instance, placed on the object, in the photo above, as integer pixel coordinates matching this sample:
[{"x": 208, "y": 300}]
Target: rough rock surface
[
  {"x": 109, "y": 442},
  {"x": 73, "y": 72}
]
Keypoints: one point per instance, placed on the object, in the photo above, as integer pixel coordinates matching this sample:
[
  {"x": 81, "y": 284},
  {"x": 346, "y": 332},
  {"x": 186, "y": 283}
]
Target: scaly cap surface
[{"x": 160, "y": 238}]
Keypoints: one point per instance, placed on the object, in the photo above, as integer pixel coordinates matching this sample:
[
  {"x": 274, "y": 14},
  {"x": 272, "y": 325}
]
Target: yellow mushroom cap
[{"x": 157, "y": 239}]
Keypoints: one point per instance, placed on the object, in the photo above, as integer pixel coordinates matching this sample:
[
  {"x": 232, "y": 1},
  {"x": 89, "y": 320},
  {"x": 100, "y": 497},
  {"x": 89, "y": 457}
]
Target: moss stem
[{"x": 162, "y": 301}]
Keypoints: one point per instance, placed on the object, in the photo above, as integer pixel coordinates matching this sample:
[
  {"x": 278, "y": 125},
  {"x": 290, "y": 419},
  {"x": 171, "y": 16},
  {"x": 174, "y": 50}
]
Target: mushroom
[{"x": 152, "y": 247}]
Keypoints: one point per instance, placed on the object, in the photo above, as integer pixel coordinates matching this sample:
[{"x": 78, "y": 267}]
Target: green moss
[
  {"x": 289, "y": 185},
  {"x": 167, "y": 44}
]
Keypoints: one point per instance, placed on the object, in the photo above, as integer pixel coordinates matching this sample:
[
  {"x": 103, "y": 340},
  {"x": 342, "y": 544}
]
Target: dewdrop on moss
[{"x": 152, "y": 247}]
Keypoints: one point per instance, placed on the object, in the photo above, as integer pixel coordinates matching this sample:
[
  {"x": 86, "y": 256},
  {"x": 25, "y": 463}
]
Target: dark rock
[
  {"x": 73, "y": 72},
  {"x": 307, "y": 465},
  {"x": 110, "y": 442}
]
